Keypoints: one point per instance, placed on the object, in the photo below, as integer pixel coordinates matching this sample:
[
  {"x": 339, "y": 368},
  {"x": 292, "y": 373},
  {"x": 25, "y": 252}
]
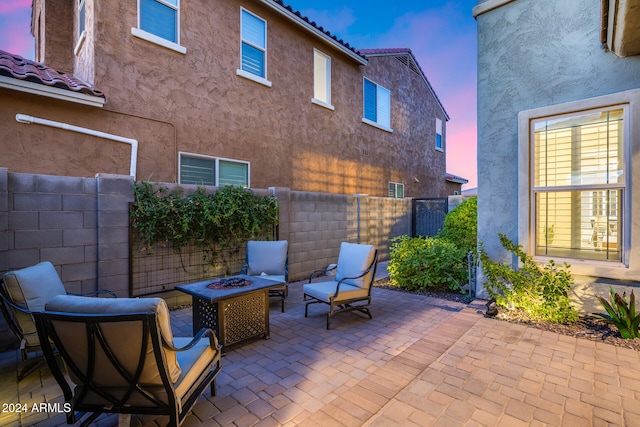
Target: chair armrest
[
  {"x": 204, "y": 332},
  {"x": 324, "y": 270}
]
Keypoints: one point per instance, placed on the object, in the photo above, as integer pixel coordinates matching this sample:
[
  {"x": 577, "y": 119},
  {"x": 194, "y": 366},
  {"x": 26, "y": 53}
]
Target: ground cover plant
[{"x": 541, "y": 291}]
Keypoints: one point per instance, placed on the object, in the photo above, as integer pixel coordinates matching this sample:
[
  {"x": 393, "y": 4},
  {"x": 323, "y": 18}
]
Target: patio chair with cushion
[
  {"x": 269, "y": 260},
  {"x": 120, "y": 356},
  {"x": 350, "y": 289},
  {"x": 23, "y": 292}
]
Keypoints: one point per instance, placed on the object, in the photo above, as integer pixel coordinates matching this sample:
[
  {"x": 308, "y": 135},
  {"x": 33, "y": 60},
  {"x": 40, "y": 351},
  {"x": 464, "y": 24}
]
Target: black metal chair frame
[
  {"x": 344, "y": 305},
  {"x": 150, "y": 329},
  {"x": 281, "y": 293},
  {"x": 6, "y": 304}
]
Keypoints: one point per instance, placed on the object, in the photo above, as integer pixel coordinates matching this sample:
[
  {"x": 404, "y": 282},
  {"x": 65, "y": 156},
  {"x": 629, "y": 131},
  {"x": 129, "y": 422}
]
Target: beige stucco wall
[{"x": 194, "y": 102}]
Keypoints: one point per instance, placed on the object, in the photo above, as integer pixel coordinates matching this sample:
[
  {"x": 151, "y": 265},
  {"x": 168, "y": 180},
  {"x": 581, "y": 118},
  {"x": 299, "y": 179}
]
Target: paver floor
[{"x": 419, "y": 362}]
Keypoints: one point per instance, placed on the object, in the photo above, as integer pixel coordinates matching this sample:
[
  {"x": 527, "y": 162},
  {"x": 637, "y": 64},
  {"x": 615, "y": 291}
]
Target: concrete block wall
[
  {"x": 316, "y": 223},
  {"x": 81, "y": 225}
]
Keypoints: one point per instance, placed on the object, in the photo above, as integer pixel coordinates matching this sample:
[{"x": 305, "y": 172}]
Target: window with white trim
[
  {"x": 81, "y": 17},
  {"x": 396, "y": 190},
  {"x": 206, "y": 170},
  {"x": 377, "y": 105},
  {"x": 160, "y": 18},
  {"x": 253, "y": 35},
  {"x": 321, "y": 79},
  {"x": 439, "y": 145},
  {"x": 159, "y": 23},
  {"x": 578, "y": 168}
]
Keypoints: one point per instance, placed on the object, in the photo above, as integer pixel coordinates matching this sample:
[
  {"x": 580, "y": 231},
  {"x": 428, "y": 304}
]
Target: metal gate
[{"x": 427, "y": 216}]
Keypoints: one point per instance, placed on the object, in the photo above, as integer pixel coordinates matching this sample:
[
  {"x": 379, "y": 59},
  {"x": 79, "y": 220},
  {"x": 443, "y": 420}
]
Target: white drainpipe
[{"x": 22, "y": 118}]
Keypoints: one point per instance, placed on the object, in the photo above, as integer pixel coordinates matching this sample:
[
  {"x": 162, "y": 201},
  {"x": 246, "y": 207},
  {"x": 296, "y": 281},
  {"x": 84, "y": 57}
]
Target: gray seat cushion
[
  {"x": 268, "y": 257},
  {"x": 115, "y": 332},
  {"x": 353, "y": 260},
  {"x": 323, "y": 291}
]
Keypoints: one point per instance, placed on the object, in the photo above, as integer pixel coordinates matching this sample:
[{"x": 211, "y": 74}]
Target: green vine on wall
[{"x": 228, "y": 217}]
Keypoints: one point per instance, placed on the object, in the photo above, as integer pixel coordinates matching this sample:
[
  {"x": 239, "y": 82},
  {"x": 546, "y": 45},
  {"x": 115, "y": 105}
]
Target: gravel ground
[{"x": 588, "y": 327}]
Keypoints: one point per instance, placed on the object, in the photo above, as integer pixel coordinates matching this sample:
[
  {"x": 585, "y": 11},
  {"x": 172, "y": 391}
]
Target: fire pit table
[{"x": 236, "y": 307}]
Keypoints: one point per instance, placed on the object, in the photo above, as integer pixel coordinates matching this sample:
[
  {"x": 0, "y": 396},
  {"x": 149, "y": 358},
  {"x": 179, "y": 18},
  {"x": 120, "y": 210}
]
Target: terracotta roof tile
[{"x": 24, "y": 69}]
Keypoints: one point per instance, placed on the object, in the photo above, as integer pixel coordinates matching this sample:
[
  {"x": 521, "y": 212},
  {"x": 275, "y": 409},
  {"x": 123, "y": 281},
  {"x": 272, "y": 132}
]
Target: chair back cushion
[
  {"x": 268, "y": 257},
  {"x": 124, "y": 338},
  {"x": 353, "y": 260},
  {"x": 33, "y": 286}
]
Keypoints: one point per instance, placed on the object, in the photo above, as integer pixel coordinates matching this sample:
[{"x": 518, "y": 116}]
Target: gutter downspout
[{"x": 22, "y": 118}]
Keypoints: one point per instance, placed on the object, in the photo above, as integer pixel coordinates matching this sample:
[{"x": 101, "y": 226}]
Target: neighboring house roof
[
  {"x": 25, "y": 75},
  {"x": 457, "y": 179},
  {"x": 412, "y": 63},
  {"x": 315, "y": 29}
]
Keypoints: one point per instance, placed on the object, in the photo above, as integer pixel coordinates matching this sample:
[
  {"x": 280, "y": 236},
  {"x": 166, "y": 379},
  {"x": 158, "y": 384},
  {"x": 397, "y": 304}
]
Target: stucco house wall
[
  {"x": 539, "y": 58},
  {"x": 194, "y": 102}
]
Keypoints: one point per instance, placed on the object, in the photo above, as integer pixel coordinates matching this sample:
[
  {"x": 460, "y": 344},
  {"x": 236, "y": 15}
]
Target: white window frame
[
  {"x": 439, "y": 132},
  {"x": 630, "y": 100},
  {"x": 82, "y": 26},
  {"x": 152, "y": 38},
  {"x": 379, "y": 89},
  {"x": 247, "y": 75},
  {"x": 395, "y": 185},
  {"x": 216, "y": 161},
  {"x": 321, "y": 56}
]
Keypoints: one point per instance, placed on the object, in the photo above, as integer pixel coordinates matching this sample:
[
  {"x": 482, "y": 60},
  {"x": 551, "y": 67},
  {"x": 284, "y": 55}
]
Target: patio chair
[
  {"x": 269, "y": 260},
  {"x": 23, "y": 292},
  {"x": 120, "y": 356},
  {"x": 350, "y": 289}
]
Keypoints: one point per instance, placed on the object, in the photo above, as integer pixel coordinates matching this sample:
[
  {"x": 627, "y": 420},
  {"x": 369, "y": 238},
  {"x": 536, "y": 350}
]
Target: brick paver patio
[{"x": 419, "y": 362}]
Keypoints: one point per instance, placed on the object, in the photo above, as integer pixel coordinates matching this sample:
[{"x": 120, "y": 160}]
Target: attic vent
[{"x": 409, "y": 62}]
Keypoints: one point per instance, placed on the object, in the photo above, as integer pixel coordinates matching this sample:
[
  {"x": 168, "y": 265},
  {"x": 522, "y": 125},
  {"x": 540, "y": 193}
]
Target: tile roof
[
  {"x": 455, "y": 178},
  {"x": 413, "y": 65},
  {"x": 20, "y": 68},
  {"x": 318, "y": 27}
]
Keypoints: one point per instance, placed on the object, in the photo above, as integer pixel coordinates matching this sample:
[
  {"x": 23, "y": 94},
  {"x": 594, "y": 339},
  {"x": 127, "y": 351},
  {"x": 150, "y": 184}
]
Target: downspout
[{"x": 22, "y": 118}]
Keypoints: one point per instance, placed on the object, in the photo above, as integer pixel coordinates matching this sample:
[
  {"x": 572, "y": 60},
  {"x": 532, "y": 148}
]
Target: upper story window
[
  {"x": 82, "y": 26},
  {"x": 81, "y": 17},
  {"x": 439, "y": 145},
  {"x": 253, "y": 47},
  {"x": 396, "y": 190},
  {"x": 578, "y": 176},
  {"x": 159, "y": 22},
  {"x": 377, "y": 105},
  {"x": 205, "y": 170},
  {"x": 321, "y": 79}
]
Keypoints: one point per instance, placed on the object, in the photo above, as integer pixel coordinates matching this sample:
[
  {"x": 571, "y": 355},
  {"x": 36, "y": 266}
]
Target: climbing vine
[{"x": 227, "y": 217}]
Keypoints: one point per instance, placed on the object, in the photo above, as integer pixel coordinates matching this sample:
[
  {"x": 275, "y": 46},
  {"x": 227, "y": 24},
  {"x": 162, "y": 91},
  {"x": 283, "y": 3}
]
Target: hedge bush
[{"x": 426, "y": 263}]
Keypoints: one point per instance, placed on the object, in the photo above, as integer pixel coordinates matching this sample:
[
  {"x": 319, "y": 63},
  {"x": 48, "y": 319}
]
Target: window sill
[
  {"x": 322, "y": 104},
  {"x": 81, "y": 40},
  {"x": 439, "y": 149},
  {"x": 376, "y": 125},
  {"x": 158, "y": 40},
  {"x": 253, "y": 77}
]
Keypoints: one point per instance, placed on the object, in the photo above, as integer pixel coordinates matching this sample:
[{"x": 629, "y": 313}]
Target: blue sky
[{"x": 441, "y": 35}]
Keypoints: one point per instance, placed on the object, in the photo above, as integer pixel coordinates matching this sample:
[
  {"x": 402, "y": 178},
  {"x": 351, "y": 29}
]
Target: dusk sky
[{"x": 440, "y": 33}]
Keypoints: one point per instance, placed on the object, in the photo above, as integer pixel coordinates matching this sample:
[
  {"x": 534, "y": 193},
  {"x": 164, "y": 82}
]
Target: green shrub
[
  {"x": 542, "y": 292},
  {"x": 422, "y": 263},
  {"x": 461, "y": 226},
  {"x": 228, "y": 216},
  {"x": 621, "y": 314}
]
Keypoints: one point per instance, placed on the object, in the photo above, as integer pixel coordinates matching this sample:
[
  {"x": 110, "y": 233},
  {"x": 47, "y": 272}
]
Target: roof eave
[
  {"x": 51, "y": 92},
  {"x": 315, "y": 31},
  {"x": 424, "y": 77}
]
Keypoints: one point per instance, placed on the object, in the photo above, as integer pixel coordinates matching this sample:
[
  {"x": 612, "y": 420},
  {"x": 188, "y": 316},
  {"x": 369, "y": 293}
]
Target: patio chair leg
[{"x": 30, "y": 367}]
